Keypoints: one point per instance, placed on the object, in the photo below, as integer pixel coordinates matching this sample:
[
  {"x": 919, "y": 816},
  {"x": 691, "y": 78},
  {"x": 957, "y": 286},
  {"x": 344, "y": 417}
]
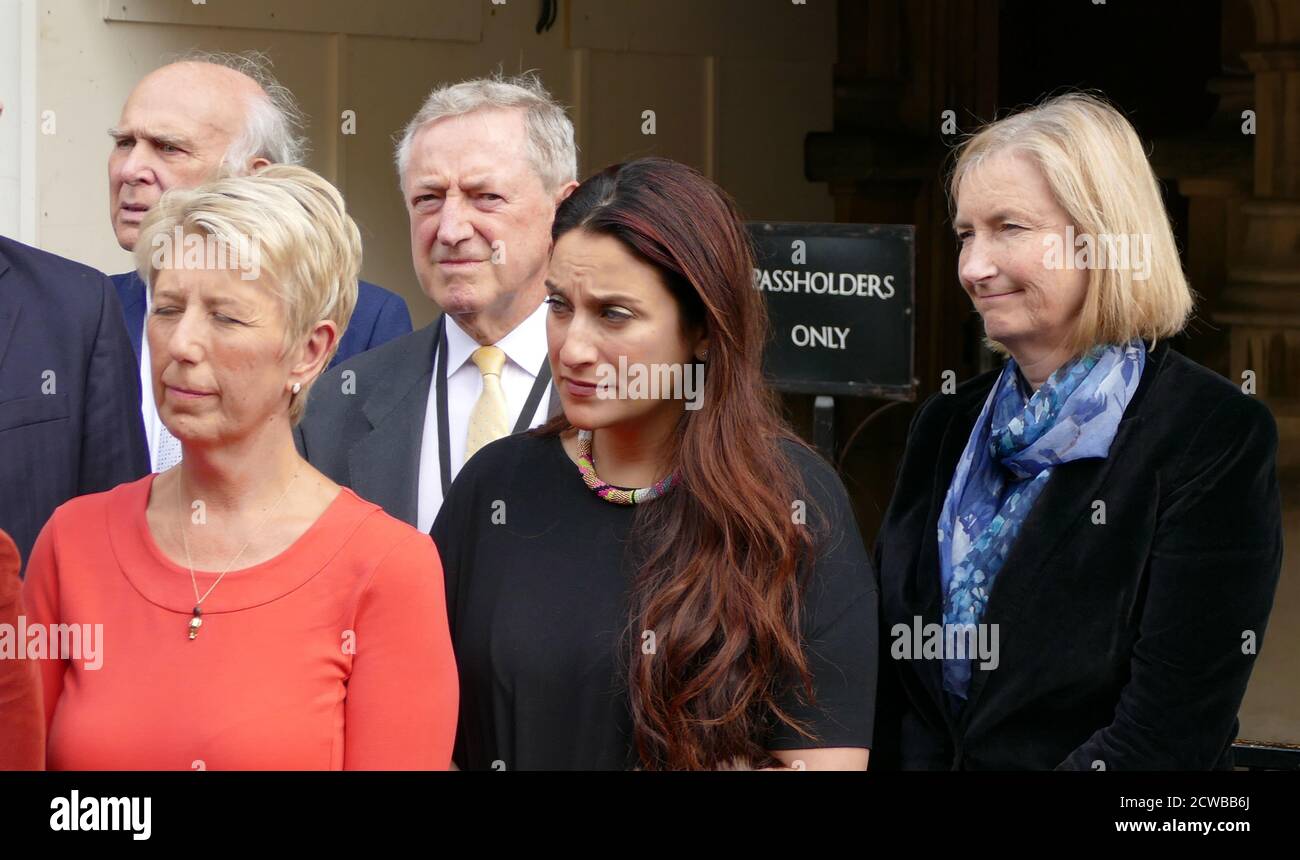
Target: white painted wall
[{"x": 17, "y": 123}]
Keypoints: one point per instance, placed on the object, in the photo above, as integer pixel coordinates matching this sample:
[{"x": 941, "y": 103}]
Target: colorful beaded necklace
[{"x": 608, "y": 492}]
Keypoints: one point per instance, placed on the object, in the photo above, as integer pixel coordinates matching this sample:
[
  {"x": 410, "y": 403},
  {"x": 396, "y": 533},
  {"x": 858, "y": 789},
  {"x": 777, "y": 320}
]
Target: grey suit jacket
[{"x": 365, "y": 431}]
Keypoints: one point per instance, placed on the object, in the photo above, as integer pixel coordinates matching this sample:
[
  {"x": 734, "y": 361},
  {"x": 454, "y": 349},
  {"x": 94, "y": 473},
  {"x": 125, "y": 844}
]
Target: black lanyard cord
[{"x": 440, "y": 384}]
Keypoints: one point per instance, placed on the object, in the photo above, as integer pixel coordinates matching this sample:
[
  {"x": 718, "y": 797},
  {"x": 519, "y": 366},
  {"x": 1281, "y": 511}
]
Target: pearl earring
[{"x": 297, "y": 386}]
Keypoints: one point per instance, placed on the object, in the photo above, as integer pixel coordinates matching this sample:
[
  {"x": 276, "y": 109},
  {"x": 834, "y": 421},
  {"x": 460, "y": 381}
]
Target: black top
[
  {"x": 1122, "y": 626},
  {"x": 537, "y": 600}
]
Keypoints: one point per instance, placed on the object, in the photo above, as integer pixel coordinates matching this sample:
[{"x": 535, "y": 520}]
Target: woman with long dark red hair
[{"x": 664, "y": 577}]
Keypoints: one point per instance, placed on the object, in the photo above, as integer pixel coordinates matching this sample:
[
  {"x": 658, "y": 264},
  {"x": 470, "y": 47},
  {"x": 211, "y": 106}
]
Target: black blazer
[
  {"x": 1120, "y": 643},
  {"x": 69, "y": 389}
]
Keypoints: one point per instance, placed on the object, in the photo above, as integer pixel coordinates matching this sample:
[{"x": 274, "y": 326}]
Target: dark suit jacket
[
  {"x": 379, "y": 316},
  {"x": 1120, "y": 643},
  {"x": 370, "y": 440},
  {"x": 69, "y": 389}
]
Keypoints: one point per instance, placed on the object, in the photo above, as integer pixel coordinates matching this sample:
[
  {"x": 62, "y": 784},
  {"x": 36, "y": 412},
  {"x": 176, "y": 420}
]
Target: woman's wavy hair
[{"x": 719, "y": 558}]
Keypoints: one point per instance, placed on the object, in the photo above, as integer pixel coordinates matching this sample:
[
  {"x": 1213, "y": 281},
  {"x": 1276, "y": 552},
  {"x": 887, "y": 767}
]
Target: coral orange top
[{"x": 333, "y": 655}]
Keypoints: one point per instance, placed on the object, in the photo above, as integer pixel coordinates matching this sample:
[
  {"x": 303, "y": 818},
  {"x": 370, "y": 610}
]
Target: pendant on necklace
[{"x": 195, "y": 623}]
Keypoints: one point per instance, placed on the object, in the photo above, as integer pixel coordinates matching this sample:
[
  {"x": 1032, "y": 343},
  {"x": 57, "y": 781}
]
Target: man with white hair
[
  {"x": 182, "y": 125},
  {"x": 483, "y": 166}
]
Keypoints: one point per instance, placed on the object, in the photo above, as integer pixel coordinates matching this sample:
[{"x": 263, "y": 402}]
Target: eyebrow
[
  {"x": 478, "y": 182},
  {"x": 214, "y": 302},
  {"x": 163, "y": 138},
  {"x": 601, "y": 298},
  {"x": 1000, "y": 215},
  {"x": 474, "y": 184},
  {"x": 615, "y": 299}
]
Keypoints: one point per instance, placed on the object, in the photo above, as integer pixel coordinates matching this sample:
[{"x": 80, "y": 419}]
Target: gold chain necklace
[{"x": 196, "y": 621}]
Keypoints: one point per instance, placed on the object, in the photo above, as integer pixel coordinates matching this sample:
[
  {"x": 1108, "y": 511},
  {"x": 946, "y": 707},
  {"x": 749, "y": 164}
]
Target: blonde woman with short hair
[
  {"x": 253, "y": 614},
  {"x": 1088, "y": 532}
]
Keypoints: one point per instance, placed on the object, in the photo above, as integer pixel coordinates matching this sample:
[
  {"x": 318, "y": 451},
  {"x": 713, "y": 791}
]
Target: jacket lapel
[
  {"x": 134, "y": 311},
  {"x": 926, "y": 583},
  {"x": 384, "y": 465},
  {"x": 1065, "y": 504}
]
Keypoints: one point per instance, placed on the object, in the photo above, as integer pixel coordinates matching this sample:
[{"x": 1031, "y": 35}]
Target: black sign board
[{"x": 840, "y": 299}]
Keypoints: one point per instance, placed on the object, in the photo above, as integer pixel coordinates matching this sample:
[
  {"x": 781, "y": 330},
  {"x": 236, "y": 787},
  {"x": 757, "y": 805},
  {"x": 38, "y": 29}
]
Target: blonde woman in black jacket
[{"x": 1081, "y": 553}]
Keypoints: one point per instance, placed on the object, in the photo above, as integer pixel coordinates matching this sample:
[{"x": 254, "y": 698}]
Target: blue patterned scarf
[{"x": 1008, "y": 459}]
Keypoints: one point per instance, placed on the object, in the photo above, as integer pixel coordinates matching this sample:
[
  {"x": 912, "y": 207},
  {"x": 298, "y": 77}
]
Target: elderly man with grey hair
[
  {"x": 182, "y": 125},
  {"x": 483, "y": 166}
]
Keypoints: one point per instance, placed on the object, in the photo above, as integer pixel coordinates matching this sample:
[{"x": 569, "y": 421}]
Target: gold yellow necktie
[{"x": 487, "y": 421}]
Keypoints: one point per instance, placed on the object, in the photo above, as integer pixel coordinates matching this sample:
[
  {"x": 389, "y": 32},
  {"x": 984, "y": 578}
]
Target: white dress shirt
[
  {"x": 525, "y": 349},
  {"x": 164, "y": 448}
]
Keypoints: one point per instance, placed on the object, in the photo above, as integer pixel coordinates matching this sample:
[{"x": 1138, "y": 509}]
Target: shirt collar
[{"x": 524, "y": 345}]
